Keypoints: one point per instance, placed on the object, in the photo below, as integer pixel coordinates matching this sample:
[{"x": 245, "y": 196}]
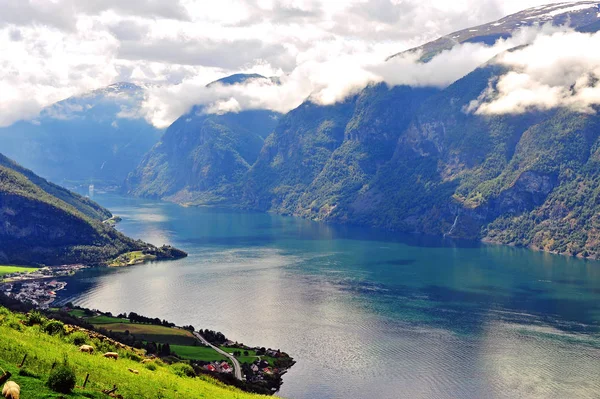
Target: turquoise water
[{"x": 366, "y": 314}]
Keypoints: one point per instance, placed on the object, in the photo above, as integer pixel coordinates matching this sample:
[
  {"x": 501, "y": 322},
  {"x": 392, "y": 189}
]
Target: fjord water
[{"x": 366, "y": 314}]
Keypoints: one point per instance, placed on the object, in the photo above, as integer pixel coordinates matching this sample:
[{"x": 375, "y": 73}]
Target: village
[
  {"x": 254, "y": 372},
  {"x": 38, "y": 287}
]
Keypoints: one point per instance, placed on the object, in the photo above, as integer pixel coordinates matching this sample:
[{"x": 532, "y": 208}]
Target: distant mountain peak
[
  {"x": 122, "y": 86},
  {"x": 237, "y": 78},
  {"x": 581, "y": 16}
]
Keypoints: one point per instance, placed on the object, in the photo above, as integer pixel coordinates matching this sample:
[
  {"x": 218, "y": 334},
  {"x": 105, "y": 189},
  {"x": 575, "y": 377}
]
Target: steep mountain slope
[
  {"x": 415, "y": 160},
  {"x": 84, "y": 205},
  {"x": 528, "y": 179},
  {"x": 202, "y": 155},
  {"x": 321, "y": 156},
  {"x": 41, "y": 223},
  {"x": 583, "y": 16},
  {"x": 96, "y": 137}
]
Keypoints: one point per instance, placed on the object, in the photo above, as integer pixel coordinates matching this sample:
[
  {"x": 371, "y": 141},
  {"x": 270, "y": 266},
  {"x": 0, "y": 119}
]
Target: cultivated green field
[
  {"x": 105, "y": 320},
  {"x": 43, "y": 350},
  {"x": 251, "y": 358},
  {"x": 203, "y": 353},
  {"x": 152, "y": 333},
  {"x": 16, "y": 269},
  {"x": 75, "y": 312}
]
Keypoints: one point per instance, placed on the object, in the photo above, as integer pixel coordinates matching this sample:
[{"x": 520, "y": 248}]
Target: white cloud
[
  {"x": 451, "y": 65},
  {"x": 557, "y": 70},
  {"x": 50, "y": 50},
  {"x": 329, "y": 76}
]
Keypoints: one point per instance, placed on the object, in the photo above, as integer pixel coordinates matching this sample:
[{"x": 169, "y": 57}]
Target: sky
[{"x": 52, "y": 49}]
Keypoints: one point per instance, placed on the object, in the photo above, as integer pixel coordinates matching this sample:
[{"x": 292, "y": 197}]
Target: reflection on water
[{"x": 367, "y": 314}]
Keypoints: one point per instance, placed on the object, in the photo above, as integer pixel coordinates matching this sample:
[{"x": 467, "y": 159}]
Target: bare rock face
[{"x": 530, "y": 190}]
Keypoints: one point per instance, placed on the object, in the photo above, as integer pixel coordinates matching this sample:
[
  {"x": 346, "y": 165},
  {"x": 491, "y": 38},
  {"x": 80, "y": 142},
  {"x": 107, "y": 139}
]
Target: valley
[{"x": 403, "y": 196}]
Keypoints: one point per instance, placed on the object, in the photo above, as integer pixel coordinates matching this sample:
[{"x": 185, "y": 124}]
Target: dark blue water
[{"x": 367, "y": 314}]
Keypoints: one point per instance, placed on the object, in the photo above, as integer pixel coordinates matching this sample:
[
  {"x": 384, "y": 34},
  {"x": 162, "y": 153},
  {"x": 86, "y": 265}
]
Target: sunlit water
[{"x": 366, "y": 314}]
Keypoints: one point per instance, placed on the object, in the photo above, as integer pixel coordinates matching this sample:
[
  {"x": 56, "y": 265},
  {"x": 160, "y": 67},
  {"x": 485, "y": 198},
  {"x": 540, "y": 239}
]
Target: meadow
[
  {"x": 203, "y": 353},
  {"x": 44, "y": 350},
  {"x": 5, "y": 269},
  {"x": 251, "y": 358},
  {"x": 151, "y": 332}
]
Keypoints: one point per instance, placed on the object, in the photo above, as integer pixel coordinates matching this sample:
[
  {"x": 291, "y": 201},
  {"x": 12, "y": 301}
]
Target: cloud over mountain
[
  {"x": 558, "y": 70},
  {"x": 52, "y": 50}
]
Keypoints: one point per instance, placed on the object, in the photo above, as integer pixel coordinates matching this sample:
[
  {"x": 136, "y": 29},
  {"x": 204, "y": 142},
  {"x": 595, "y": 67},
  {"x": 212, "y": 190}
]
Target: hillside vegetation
[
  {"x": 41, "y": 223},
  {"x": 18, "y": 338}
]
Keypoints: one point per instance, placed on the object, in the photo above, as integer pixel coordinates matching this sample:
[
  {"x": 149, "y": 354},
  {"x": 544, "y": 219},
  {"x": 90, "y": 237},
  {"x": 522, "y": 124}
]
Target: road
[{"x": 237, "y": 368}]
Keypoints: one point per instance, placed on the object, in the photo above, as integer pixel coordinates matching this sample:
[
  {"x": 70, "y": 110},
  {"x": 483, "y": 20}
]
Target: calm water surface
[{"x": 366, "y": 314}]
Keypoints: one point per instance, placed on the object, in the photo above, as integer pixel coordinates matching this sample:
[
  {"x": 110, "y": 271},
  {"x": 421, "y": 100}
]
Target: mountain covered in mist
[
  {"x": 407, "y": 159},
  {"x": 96, "y": 137},
  {"x": 42, "y": 223},
  {"x": 202, "y": 156}
]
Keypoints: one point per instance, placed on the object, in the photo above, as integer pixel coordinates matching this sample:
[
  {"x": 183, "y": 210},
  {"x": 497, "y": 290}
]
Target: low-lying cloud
[
  {"x": 557, "y": 70},
  {"x": 326, "y": 81},
  {"x": 50, "y": 50}
]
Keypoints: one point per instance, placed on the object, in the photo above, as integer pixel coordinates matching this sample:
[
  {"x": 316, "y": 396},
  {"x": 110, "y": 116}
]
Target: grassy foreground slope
[{"x": 43, "y": 350}]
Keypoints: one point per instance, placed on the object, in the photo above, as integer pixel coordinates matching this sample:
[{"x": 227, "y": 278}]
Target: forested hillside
[{"x": 41, "y": 223}]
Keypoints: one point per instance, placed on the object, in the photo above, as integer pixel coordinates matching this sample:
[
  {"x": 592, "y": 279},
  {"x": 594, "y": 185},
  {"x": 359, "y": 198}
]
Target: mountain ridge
[
  {"x": 582, "y": 16},
  {"x": 413, "y": 160}
]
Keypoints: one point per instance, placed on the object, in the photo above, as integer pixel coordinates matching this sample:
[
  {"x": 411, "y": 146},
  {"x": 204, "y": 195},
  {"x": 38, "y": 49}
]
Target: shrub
[
  {"x": 54, "y": 327},
  {"x": 103, "y": 346},
  {"x": 25, "y": 372},
  {"x": 132, "y": 356},
  {"x": 15, "y": 325},
  {"x": 150, "y": 366},
  {"x": 183, "y": 370},
  {"x": 62, "y": 379},
  {"x": 34, "y": 318},
  {"x": 78, "y": 338}
]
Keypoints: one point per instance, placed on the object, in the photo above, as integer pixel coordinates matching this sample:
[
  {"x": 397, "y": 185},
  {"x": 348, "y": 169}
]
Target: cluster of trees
[
  {"x": 136, "y": 318},
  {"x": 214, "y": 337}
]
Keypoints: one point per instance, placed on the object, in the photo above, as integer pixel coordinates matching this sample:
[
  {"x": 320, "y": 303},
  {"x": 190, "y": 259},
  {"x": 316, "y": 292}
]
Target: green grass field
[
  {"x": 203, "y": 353},
  {"x": 106, "y": 320},
  {"x": 43, "y": 350},
  {"x": 152, "y": 333},
  {"x": 75, "y": 312},
  {"x": 16, "y": 269},
  {"x": 131, "y": 258},
  {"x": 251, "y": 358}
]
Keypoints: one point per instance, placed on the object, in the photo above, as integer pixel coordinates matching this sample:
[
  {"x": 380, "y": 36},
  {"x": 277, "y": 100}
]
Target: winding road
[{"x": 237, "y": 368}]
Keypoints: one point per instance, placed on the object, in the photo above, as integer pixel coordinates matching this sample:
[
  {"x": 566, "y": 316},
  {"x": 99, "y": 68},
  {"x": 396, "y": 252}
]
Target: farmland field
[
  {"x": 4, "y": 269},
  {"x": 152, "y": 333},
  {"x": 203, "y": 353}
]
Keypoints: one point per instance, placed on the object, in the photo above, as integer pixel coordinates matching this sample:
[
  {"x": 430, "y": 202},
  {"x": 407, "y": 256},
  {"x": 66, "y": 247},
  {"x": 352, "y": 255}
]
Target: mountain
[
  {"x": 583, "y": 16},
  {"x": 42, "y": 223},
  {"x": 321, "y": 155},
  {"x": 202, "y": 155},
  {"x": 412, "y": 160},
  {"x": 96, "y": 137}
]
